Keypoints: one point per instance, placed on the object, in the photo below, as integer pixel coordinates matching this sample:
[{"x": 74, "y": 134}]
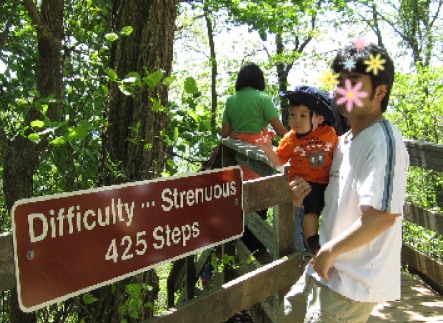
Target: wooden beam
[
  {"x": 428, "y": 219},
  {"x": 425, "y": 154},
  {"x": 252, "y": 157},
  {"x": 261, "y": 229},
  {"x": 177, "y": 275},
  {"x": 251, "y": 151},
  {"x": 284, "y": 229},
  {"x": 190, "y": 278},
  {"x": 423, "y": 263},
  {"x": 257, "y": 196},
  {"x": 175, "y": 279},
  {"x": 238, "y": 294}
]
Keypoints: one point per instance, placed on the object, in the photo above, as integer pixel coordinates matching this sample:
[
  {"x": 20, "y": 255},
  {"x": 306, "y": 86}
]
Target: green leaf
[
  {"x": 153, "y": 79},
  {"x": 156, "y": 106},
  {"x": 34, "y": 137},
  {"x": 127, "y": 30},
  {"x": 111, "y": 36},
  {"x": 86, "y": 125},
  {"x": 194, "y": 116},
  {"x": 37, "y": 124},
  {"x": 105, "y": 88},
  {"x": 228, "y": 259},
  {"x": 38, "y": 105},
  {"x": 44, "y": 108},
  {"x": 59, "y": 141},
  {"x": 89, "y": 299},
  {"x": 36, "y": 93},
  {"x": 77, "y": 133},
  {"x": 176, "y": 134},
  {"x": 169, "y": 80},
  {"x": 190, "y": 85},
  {"x": 122, "y": 309},
  {"x": 207, "y": 124},
  {"x": 133, "y": 77},
  {"x": 134, "y": 289},
  {"x": 112, "y": 75}
]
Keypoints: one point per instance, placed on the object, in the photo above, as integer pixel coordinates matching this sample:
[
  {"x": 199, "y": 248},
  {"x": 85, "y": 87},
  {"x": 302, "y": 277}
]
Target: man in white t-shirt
[{"x": 358, "y": 264}]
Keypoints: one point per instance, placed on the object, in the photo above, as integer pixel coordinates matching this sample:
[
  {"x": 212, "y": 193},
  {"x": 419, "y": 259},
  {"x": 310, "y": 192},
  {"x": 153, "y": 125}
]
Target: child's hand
[
  {"x": 267, "y": 133},
  {"x": 265, "y": 142}
]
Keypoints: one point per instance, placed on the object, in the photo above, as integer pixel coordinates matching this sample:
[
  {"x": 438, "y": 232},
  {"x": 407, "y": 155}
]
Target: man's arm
[{"x": 368, "y": 227}]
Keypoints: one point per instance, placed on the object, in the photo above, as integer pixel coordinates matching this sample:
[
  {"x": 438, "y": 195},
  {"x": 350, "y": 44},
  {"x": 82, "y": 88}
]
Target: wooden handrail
[
  {"x": 421, "y": 154},
  {"x": 239, "y": 293},
  {"x": 425, "y": 154}
]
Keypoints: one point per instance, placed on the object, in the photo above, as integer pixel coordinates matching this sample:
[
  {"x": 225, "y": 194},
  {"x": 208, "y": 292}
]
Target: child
[{"x": 308, "y": 147}]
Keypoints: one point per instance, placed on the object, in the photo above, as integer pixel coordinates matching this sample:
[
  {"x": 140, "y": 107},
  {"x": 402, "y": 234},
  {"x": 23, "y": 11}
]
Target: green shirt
[{"x": 249, "y": 111}]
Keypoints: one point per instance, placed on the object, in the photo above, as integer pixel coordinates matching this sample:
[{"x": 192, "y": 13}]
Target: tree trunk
[
  {"x": 213, "y": 62},
  {"x": 150, "y": 46},
  {"x": 282, "y": 74},
  {"x": 133, "y": 117},
  {"x": 20, "y": 156}
]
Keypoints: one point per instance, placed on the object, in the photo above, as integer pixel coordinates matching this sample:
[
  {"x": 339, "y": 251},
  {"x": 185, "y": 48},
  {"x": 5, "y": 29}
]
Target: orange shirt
[{"x": 311, "y": 155}]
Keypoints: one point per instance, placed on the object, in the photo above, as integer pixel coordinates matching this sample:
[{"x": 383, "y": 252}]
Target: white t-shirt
[{"x": 368, "y": 170}]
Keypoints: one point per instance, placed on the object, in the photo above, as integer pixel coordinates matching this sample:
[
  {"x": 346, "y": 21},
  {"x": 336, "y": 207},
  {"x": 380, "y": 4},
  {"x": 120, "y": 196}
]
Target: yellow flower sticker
[
  {"x": 330, "y": 79},
  {"x": 375, "y": 64}
]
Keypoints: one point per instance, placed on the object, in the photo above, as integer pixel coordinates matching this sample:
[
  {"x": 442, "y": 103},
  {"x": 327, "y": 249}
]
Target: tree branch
[{"x": 34, "y": 14}]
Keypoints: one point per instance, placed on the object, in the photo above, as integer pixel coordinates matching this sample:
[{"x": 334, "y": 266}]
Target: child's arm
[{"x": 265, "y": 143}]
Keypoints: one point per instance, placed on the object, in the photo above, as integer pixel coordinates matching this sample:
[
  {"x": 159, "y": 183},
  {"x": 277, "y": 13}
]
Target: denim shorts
[{"x": 316, "y": 303}]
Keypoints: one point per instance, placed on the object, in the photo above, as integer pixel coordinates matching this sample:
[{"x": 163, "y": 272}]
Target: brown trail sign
[{"x": 71, "y": 243}]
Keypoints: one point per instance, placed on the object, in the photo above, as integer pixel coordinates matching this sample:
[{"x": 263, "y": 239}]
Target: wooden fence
[
  {"x": 427, "y": 156},
  {"x": 260, "y": 288}
]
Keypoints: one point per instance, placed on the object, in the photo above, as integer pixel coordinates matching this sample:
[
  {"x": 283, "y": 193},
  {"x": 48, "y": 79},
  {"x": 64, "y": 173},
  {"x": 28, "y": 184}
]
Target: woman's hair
[
  {"x": 250, "y": 75},
  {"x": 384, "y": 76}
]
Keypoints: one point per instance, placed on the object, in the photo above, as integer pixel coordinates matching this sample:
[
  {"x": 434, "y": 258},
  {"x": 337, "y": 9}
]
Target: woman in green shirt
[{"x": 249, "y": 109}]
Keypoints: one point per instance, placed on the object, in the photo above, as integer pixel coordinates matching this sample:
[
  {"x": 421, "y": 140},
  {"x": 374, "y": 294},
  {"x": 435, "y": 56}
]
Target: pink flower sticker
[
  {"x": 351, "y": 95},
  {"x": 359, "y": 44}
]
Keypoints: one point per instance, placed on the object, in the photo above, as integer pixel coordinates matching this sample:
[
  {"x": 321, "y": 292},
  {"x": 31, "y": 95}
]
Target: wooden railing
[
  {"x": 427, "y": 156},
  {"x": 259, "y": 288},
  {"x": 422, "y": 154}
]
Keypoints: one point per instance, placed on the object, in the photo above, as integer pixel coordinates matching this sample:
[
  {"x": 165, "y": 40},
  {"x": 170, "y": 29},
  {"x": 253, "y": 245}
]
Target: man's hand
[
  {"x": 322, "y": 262},
  {"x": 300, "y": 189},
  {"x": 366, "y": 228}
]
